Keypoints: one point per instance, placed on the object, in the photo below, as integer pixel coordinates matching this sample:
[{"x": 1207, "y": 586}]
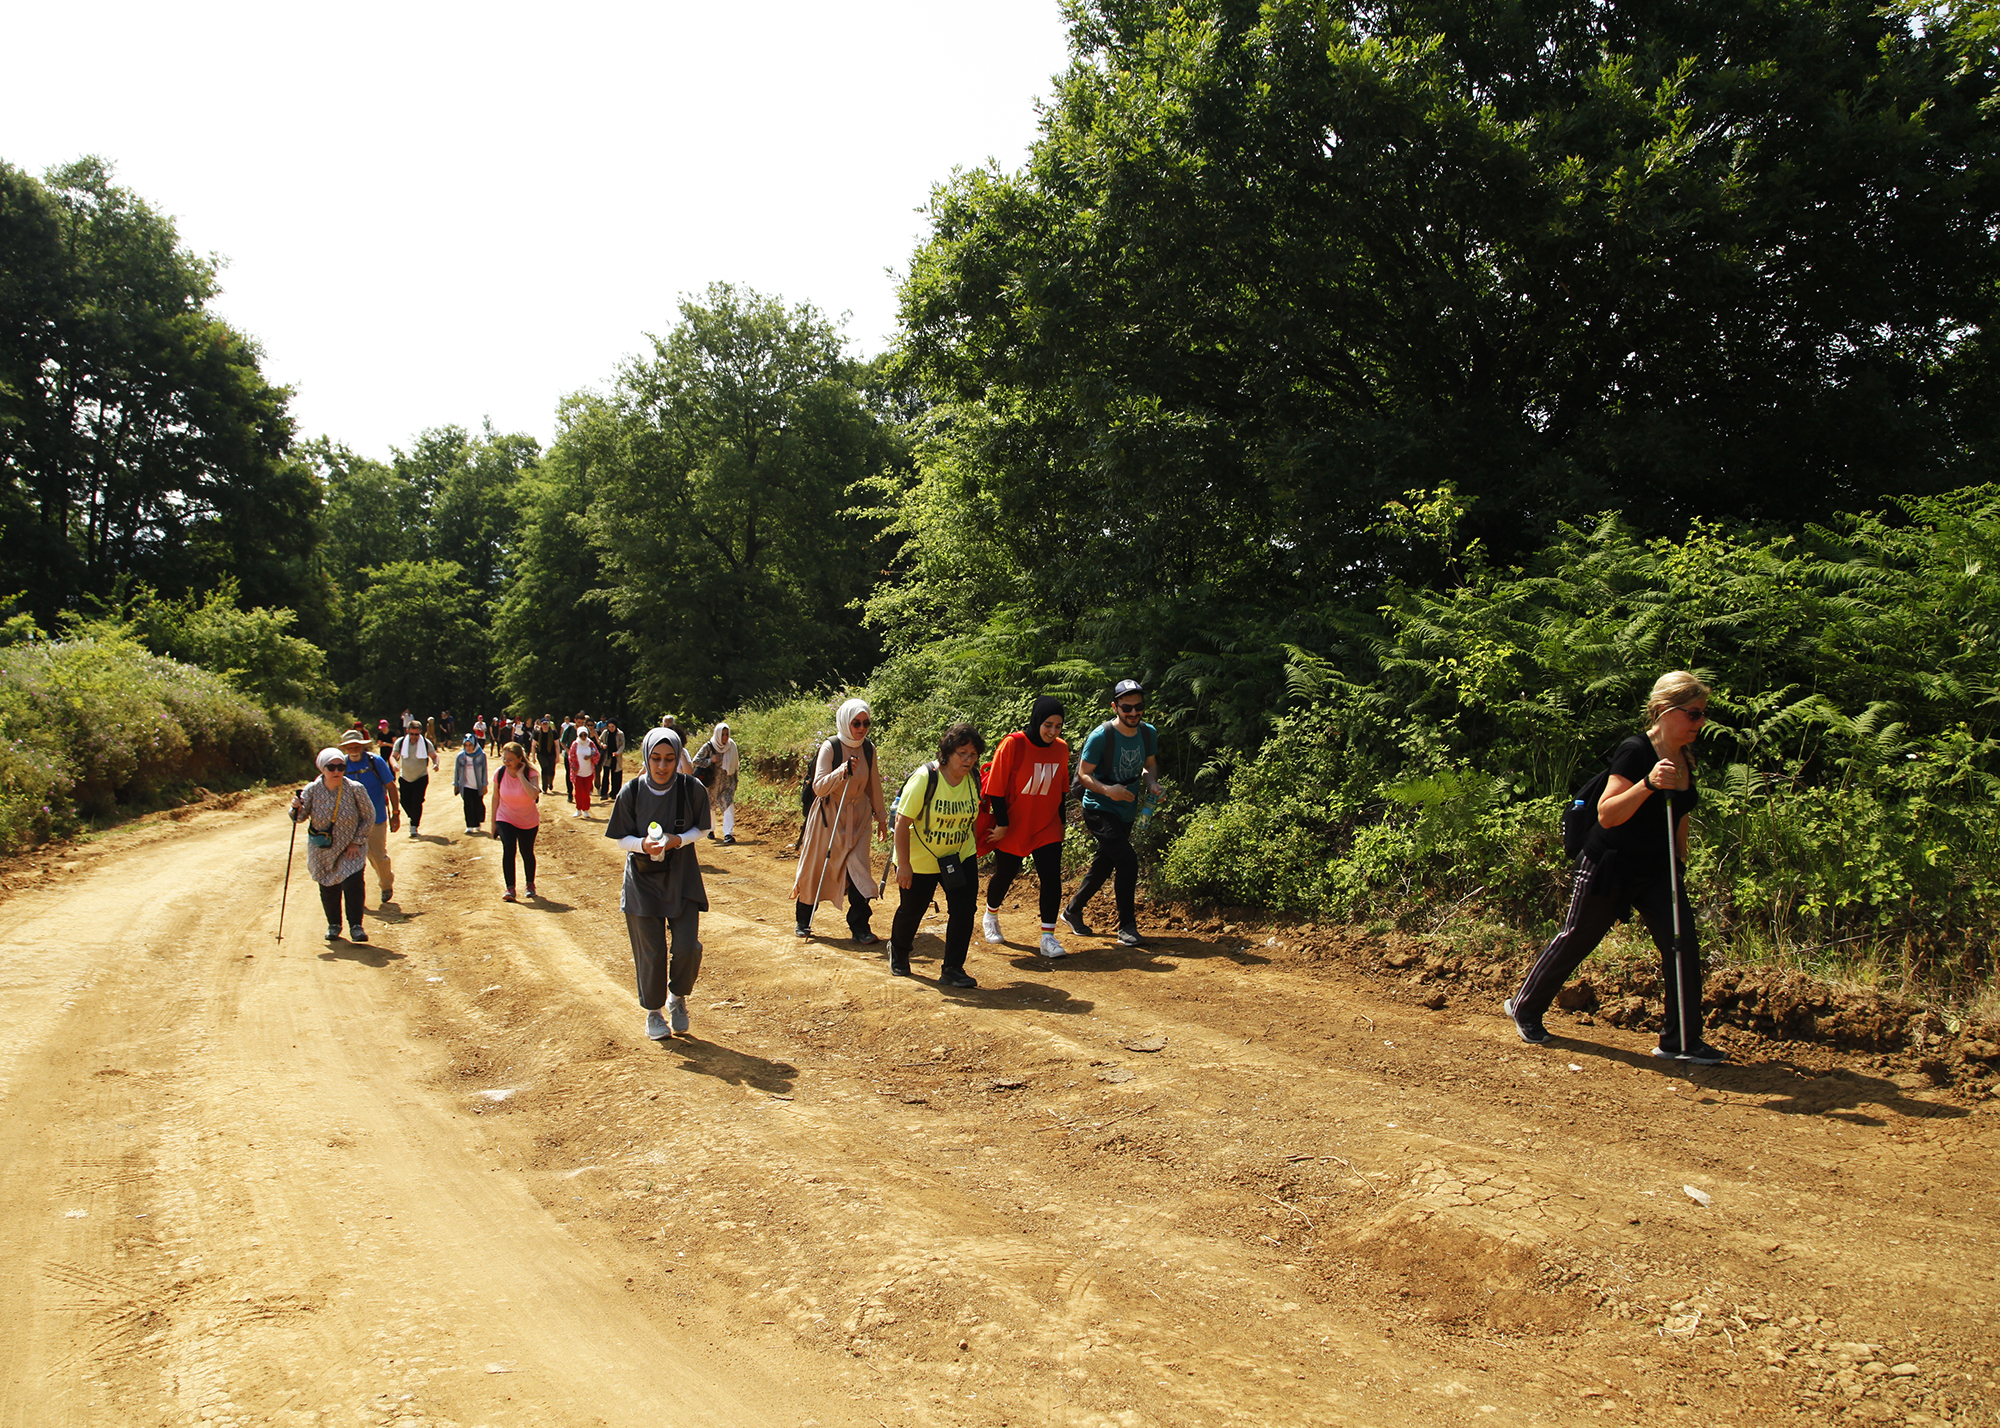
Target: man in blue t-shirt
[
  {"x": 373, "y": 773},
  {"x": 1118, "y": 766}
]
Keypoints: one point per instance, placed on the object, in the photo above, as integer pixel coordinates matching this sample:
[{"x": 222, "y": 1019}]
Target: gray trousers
[{"x": 660, "y": 971}]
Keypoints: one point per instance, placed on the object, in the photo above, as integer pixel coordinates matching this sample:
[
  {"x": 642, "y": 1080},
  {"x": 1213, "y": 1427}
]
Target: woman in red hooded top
[{"x": 1025, "y": 787}]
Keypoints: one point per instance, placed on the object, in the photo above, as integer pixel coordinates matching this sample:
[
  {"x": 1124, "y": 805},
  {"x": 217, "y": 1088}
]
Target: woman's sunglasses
[
  {"x": 337, "y": 766},
  {"x": 862, "y": 722},
  {"x": 1698, "y": 716}
]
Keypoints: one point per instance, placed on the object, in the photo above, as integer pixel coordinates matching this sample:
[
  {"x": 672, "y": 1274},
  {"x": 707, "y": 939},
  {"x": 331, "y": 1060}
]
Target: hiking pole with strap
[
  {"x": 1674, "y": 884},
  {"x": 284, "y": 896},
  {"x": 831, "y": 829}
]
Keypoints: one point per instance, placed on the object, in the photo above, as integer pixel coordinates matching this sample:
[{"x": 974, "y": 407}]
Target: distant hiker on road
[
  {"x": 416, "y": 756},
  {"x": 583, "y": 756},
  {"x": 935, "y": 850},
  {"x": 547, "y": 748},
  {"x": 657, "y": 819},
  {"x": 372, "y": 773},
  {"x": 720, "y": 751},
  {"x": 613, "y": 770},
  {"x": 1025, "y": 788},
  {"x": 833, "y": 850},
  {"x": 468, "y": 781},
  {"x": 337, "y": 815},
  {"x": 517, "y": 792},
  {"x": 1634, "y": 860},
  {"x": 1120, "y": 758}
]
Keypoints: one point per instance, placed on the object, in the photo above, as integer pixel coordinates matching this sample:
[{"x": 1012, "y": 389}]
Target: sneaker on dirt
[
  {"x": 1051, "y": 948},
  {"x": 677, "y": 1011},
  {"x": 656, "y": 1027},
  {"x": 990, "y": 925},
  {"x": 1074, "y": 920},
  {"x": 1129, "y": 937},
  {"x": 1532, "y": 1032}
]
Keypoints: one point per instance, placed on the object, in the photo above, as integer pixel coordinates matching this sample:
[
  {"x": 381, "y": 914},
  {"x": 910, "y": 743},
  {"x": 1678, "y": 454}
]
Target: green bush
[
  {"x": 1849, "y": 816},
  {"x": 93, "y": 725}
]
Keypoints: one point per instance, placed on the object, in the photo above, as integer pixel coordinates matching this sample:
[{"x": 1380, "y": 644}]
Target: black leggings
[
  {"x": 1048, "y": 872},
  {"x": 916, "y": 902},
  {"x": 1596, "y": 902},
  {"x": 330, "y": 896},
  {"x": 511, "y": 838},
  {"x": 1114, "y": 859}
]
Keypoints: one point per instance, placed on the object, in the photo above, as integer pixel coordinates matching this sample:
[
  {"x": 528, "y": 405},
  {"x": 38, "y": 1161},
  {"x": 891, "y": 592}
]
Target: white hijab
[{"x": 844, "y": 721}]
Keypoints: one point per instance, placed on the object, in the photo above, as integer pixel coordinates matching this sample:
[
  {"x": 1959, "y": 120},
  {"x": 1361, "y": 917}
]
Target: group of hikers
[{"x": 948, "y": 814}]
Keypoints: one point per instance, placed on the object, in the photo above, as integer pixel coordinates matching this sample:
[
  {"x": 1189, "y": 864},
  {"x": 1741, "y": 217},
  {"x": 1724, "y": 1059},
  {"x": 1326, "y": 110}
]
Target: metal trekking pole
[
  {"x": 831, "y": 829},
  {"x": 1674, "y": 884},
  {"x": 286, "y": 894}
]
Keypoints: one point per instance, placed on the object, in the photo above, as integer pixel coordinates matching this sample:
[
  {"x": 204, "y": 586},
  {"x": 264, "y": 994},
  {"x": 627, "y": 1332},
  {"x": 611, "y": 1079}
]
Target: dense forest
[{"x": 1394, "y": 389}]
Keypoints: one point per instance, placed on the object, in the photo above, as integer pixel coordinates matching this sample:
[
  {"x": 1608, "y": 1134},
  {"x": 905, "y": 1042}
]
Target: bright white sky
[{"x": 434, "y": 214}]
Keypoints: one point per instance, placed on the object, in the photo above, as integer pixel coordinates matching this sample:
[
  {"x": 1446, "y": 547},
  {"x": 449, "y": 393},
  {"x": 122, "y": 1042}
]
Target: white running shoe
[
  {"x": 656, "y": 1027},
  {"x": 991, "y": 926},
  {"x": 470, "y": 831},
  {"x": 1051, "y": 948},
  {"x": 677, "y": 1012}
]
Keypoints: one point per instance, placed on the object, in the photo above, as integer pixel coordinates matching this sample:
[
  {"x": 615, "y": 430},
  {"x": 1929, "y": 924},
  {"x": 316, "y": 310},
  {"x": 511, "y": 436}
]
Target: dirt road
[{"x": 444, "y": 1179}]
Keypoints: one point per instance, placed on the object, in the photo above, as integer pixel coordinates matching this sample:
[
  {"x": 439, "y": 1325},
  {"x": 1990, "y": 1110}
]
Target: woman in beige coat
[{"x": 833, "y": 851}]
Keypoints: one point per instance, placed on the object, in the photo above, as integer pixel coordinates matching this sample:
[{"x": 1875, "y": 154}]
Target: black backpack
[
  {"x": 806, "y": 783},
  {"x": 1579, "y": 820}
]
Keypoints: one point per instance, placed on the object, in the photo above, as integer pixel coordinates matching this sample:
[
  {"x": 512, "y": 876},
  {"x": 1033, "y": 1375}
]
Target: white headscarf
[
  {"x": 327, "y": 756},
  {"x": 721, "y": 727},
  {"x": 844, "y": 721},
  {"x": 654, "y": 736}
]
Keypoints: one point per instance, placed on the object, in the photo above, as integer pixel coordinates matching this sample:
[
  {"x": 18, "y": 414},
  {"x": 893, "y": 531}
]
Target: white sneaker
[
  {"x": 677, "y": 1011},
  {"x": 656, "y": 1027},
  {"x": 1051, "y": 948},
  {"x": 991, "y": 926},
  {"x": 470, "y": 832},
  {"x": 413, "y": 830}
]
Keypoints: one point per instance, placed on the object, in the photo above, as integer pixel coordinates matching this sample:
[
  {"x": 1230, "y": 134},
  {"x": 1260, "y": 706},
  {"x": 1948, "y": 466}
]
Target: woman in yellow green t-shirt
[{"x": 935, "y": 849}]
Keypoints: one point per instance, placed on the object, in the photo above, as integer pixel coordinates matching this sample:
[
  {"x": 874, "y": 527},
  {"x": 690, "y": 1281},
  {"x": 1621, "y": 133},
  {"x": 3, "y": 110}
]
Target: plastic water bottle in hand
[
  {"x": 657, "y": 834},
  {"x": 1149, "y": 804}
]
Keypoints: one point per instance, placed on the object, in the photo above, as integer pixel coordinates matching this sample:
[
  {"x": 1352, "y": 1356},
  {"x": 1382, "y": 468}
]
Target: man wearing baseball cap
[
  {"x": 1120, "y": 757},
  {"x": 373, "y": 773}
]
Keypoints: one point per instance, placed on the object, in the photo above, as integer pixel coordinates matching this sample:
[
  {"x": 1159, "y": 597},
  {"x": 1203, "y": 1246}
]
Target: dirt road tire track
[{"x": 443, "y": 1179}]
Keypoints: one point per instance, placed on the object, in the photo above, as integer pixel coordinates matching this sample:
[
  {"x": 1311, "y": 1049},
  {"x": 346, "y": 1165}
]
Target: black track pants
[{"x": 1596, "y": 902}]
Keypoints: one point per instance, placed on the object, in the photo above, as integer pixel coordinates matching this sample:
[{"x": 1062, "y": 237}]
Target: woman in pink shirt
[{"x": 516, "y": 791}]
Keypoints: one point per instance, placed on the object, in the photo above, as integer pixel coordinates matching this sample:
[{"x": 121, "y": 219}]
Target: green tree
[
  {"x": 421, "y": 639},
  {"x": 733, "y": 559},
  {"x": 1271, "y": 265},
  {"x": 138, "y": 438},
  {"x": 555, "y": 641}
]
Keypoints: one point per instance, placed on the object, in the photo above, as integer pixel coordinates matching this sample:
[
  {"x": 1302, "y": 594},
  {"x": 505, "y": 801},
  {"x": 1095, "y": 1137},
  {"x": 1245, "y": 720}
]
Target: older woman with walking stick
[
  {"x": 833, "y": 850},
  {"x": 1633, "y": 861},
  {"x": 337, "y": 815}
]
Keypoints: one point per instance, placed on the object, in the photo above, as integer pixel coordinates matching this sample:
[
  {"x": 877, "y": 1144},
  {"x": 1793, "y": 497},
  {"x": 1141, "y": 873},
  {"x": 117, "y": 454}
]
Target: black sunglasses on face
[
  {"x": 1129, "y": 708},
  {"x": 338, "y": 767},
  {"x": 861, "y": 723},
  {"x": 1699, "y": 716}
]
